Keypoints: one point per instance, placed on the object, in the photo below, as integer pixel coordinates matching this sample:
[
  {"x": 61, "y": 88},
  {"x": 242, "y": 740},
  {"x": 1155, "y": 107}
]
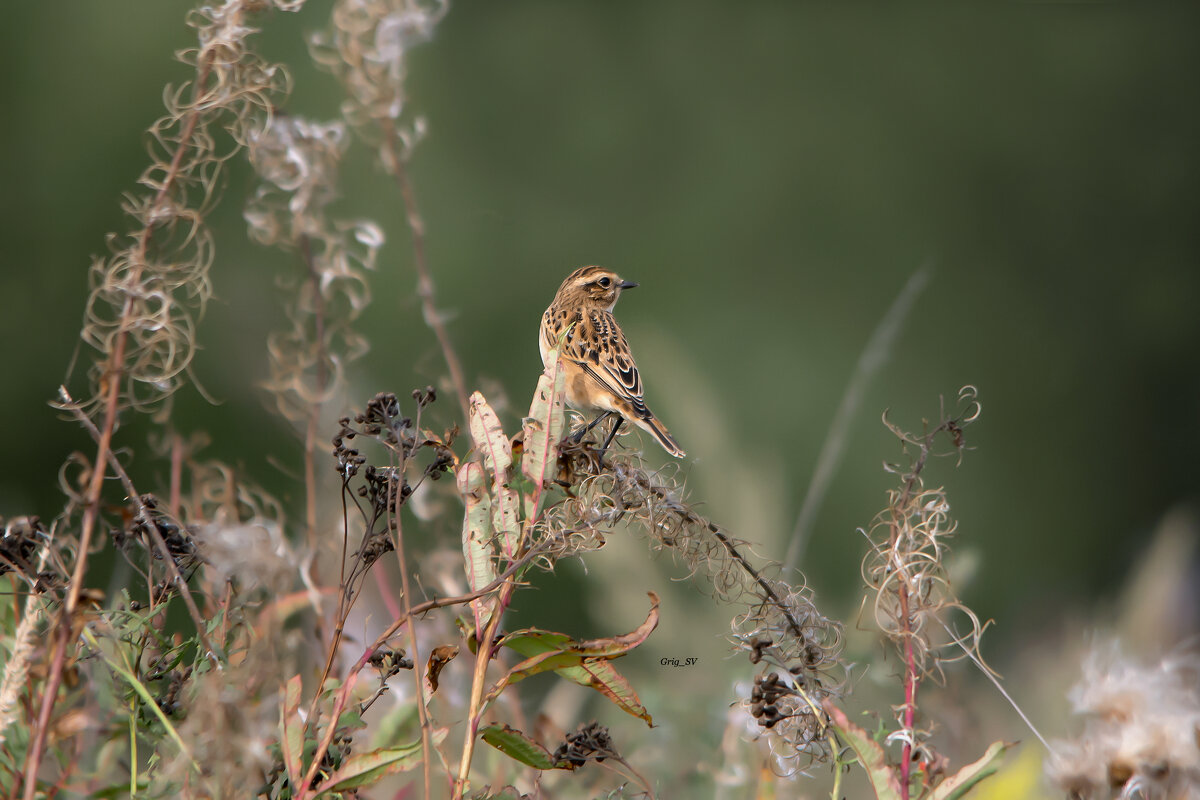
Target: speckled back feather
[{"x": 601, "y": 372}]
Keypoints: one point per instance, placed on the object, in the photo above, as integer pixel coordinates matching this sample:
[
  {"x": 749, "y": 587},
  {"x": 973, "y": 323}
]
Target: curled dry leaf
[{"x": 439, "y": 658}]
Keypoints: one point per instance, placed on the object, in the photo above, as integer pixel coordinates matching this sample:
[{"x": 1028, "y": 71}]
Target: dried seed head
[
  {"x": 1140, "y": 728},
  {"x": 590, "y": 742}
]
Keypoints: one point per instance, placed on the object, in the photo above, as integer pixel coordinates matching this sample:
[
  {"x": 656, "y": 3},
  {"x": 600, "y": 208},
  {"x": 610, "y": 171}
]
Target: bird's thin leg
[
  {"x": 611, "y": 435},
  {"x": 577, "y": 438}
]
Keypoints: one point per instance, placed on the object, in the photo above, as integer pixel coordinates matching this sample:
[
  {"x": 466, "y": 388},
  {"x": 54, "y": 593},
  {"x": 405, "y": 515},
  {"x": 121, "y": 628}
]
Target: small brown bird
[{"x": 600, "y": 372}]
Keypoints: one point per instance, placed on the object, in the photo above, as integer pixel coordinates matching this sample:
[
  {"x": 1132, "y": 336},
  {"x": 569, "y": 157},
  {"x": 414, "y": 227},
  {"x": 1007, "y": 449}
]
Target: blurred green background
[{"x": 771, "y": 174}]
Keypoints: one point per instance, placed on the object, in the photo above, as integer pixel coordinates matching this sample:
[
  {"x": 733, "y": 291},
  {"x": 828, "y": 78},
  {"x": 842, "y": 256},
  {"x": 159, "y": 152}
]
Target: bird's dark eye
[{"x": 604, "y": 282}]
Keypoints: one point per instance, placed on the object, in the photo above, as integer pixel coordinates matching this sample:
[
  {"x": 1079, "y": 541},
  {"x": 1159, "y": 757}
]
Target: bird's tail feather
[{"x": 659, "y": 431}]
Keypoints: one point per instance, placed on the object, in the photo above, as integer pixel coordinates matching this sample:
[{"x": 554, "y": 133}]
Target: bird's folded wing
[{"x": 625, "y": 384}]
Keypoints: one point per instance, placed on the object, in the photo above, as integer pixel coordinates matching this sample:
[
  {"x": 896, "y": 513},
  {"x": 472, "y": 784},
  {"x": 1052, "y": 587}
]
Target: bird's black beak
[{"x": 627, "y": 284}]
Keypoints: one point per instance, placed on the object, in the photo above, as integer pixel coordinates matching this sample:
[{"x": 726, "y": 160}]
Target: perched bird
[{"x": 600, "y": 372}]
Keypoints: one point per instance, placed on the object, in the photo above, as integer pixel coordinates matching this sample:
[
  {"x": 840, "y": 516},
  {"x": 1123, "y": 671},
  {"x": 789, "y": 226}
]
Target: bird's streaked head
[{"x": 593, "y": 286}]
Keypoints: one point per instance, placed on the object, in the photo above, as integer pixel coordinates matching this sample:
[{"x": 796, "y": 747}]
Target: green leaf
[
  {"x": 490, "y": 440},
  {"x": 119, "y": 664},
  {"x": 586, "y": 663},
  {"x": 507, "y": 793},
  {"x": 531, "y": 641},
  {"x": 363, "y": 769},
  {"x": 613, "y": 646},
  {"x": 518, "y": 746},
  {"x": 870, "y": 754},
  {"x": 537, "y": 646},
  {"x": 961, "y": 782},
  {"x": 542, "y": 431},
  {"x": 352, "y": 719},
  {"x": 550, "y": 661},
  {"x": 397, "y": 723},
  {"x": 116, "y": 790},
  {"x": 477, "y": 537}
]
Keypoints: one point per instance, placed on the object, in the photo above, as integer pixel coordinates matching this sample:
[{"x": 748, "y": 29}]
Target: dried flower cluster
[
  {"x": 366, "y": 50},
  {"x": 383, "y": 489},
  {"x": 904, "y": 568},
  {"x": 147, "y": 296},
  {"x": 148, "y": 522},
  {"x": 297, "y": 161},
  {"x": 240, "y": 663},
  {"x": 798, "y": 647},
  {"x": 22, "y": 539},
  {"x": 591, "y": 742},
  {"x": 140, "y": 327},
  {"x": 240, "y": 530},
  {"x": 1141, "y": 736}
]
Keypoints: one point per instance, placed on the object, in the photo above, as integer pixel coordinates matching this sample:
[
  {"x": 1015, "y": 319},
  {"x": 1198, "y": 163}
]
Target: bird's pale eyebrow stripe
[{"x": 585, "y": 273}]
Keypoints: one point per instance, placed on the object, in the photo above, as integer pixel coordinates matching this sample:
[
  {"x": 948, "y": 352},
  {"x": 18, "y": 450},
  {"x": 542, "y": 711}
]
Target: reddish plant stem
[
  {"x": 346, "y": 596},
  {"x": 113, "y": 375},
  {"x": 483, "y": 657},
  {"x": 911, "y": 680},
  {"x": 422, "y": 608},
  {"x": 339, "y": 705},
  {"x": 173, "y": 568},
  {"x": 425, "y": 288},
  {"x": 90, "y": 512},
  {"x": 418, "y": 667},
  {"x": 345, "y": 602}
]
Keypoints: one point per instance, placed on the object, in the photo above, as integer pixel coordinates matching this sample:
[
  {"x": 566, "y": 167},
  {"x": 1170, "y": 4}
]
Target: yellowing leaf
[
  {"x": 478, "y": 549},
  {"x": 586, "y": 663},
  {"x": 491, "y": 442},
  {"x": 870, "y": 755},
  {"x": 542, "y": 430},
  {"x": 601, "y": 675}
]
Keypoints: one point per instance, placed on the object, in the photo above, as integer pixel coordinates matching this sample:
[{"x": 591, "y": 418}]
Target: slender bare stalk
[
  {"x": 418, "y": 668},
  {"x": 873, "y": 357},
  {"x": 425, "y": 289},
  {"x": 158, "y": 215},
  {"x": 911, "y": 673},
  {"x": 339, "y": 705},
  {"x": 381, "y": 640},
  {"x": 176, "y": 576},
  {"x": 414, "y": 645},
  {"x": 342, "y": 613},
  {"x": 483, "y": 656},
  {"x": 90, "y": 512},
  {"x": 990, "y": 674}
]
